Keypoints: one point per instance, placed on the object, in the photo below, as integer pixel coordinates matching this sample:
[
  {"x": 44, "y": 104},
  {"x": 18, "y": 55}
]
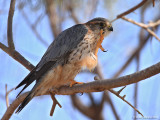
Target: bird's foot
[
  {"x": 102, "y": 49},
  {"x": 73, "y": 82}
]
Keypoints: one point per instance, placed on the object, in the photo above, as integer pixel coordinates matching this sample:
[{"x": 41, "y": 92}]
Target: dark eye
[{"x": 102, "y": 24}]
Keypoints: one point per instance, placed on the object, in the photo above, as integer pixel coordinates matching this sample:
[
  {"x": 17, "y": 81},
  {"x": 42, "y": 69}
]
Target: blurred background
[{"x": 130, "y": 48}]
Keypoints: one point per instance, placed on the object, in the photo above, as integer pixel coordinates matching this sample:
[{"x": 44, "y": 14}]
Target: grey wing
[
  {"x": 57, "y": 53},
  {"x": 64, "y": 43}
]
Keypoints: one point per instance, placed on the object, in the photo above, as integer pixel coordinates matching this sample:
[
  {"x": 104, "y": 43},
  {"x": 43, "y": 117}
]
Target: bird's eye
[{"x": 102, "y": 24}]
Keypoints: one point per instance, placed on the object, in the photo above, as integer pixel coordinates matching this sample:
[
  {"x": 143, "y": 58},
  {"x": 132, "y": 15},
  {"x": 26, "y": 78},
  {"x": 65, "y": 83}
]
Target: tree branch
[
  {"x": 123, "y": 98},
  {"x": 55, "y": 102},
  {"x": 17, "y": 56},
  {"x": 11, "y": 49},
  {"x": 7, "y": 93},
  {"x": 130, "y": 10},
  {"x": 13, "y": 106},
  {"x": 95, "y": 86},
  {"x": 9, "y": 26},
  {"x": 144, "y": 26}
]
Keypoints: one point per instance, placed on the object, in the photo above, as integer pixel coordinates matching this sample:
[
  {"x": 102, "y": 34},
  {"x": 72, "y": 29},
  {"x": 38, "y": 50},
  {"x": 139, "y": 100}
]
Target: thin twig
[
  {"x": 130, "y": 10},
  {"x": 122, "y": 98},
  {"x": 7, "y": 93},
  {"x": 9, "y": 26},
  {"x": 143, "y": 26},
  {"x": 117, "y": 94},
  {"x": 153, "y": 34},
  {"x": 153, "y": 24},
  {"x": 119, "y": 91}
]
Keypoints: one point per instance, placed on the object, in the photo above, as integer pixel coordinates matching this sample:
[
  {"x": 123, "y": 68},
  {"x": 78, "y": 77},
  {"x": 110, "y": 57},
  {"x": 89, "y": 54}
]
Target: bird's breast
[
  {"x": 83, "y": 56},
  {"x": 89, "y": 62}
]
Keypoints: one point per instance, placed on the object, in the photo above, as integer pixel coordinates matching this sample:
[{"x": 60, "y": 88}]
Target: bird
[{"x": 71, "y": 51}]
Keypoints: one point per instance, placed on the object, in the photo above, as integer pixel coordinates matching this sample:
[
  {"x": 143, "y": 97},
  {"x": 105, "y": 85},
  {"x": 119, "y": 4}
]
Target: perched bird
[{"x": 73, "y": 49}]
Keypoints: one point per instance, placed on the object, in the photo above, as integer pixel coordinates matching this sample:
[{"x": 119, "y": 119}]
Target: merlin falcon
[{"x": 72, "y": 50}]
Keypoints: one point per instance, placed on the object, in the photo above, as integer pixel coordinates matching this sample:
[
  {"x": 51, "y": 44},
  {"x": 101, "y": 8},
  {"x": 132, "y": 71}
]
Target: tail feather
[
  {"x": 25, "y": 101},
  {"x": 33, "y": 75},
  {"x": 22, "y": 90},
  {"x": 28, "y": 79},
  {"x": 32, "y": 93}
]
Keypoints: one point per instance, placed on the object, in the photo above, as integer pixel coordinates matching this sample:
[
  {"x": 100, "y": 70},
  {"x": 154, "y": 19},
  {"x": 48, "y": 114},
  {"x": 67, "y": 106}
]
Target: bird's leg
[
  {"x": 73, "y": 82},
  {"x": 102, "y": 49},
  {"x": 100, "y": 42}
]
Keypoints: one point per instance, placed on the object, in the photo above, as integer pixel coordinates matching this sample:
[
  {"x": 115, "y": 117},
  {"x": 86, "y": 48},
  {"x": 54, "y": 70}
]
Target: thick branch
[
  {"x": 17, "y": 56},
  {"x": 11, "y": 49},
  {"x": 9, "y": 27},
  {"x": 95, "y": 86},
  {"x": 13, "y": 106}
]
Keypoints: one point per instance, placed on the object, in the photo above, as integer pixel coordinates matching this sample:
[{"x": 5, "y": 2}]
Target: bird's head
[{"x": 97, "y": 24}]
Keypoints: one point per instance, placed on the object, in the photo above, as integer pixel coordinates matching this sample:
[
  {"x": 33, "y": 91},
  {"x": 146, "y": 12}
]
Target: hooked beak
[{"x": 110, "y": 28}]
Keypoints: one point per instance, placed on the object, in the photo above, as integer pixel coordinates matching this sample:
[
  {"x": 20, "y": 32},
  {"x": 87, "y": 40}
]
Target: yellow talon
[{"x": 74, "y": 82}]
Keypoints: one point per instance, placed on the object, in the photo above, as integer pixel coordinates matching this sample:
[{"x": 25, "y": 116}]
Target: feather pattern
[{"x": 57, "y": 54}]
